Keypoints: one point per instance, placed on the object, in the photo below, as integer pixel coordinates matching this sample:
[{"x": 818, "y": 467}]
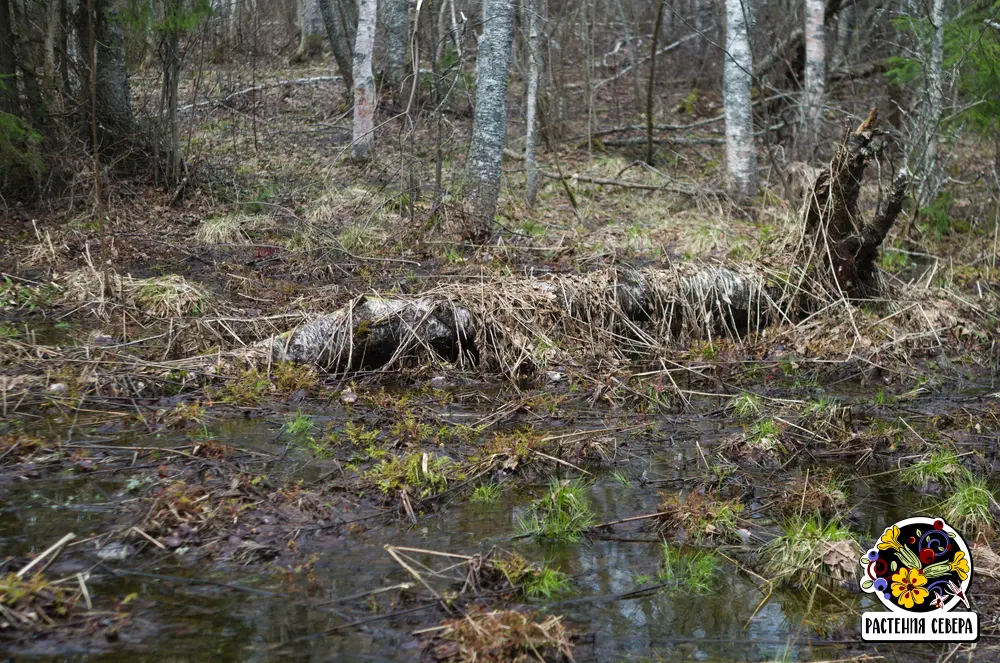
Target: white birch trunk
[
  {"x": 935, "y": 96},
  {"x": 489, "y": 131},
  {"x": 396, "y": 17},
  {"x": 364, "y": 82},
  {"x": 741, "y": 157},
  {"x": 531, "y": 131},
  {"x": 815, "y": 71}
]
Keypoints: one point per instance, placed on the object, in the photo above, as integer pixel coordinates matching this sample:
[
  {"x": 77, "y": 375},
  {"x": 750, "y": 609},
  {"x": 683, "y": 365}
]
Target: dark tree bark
[
  {"x": 341, "y": 42},
  {"x": 8, "y": 62},
  {"x": 114, "y": 97}
]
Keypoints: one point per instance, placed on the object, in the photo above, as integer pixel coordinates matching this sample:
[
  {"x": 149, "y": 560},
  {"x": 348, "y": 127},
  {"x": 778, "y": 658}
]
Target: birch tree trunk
[
  {"x": 396, "y": 17},
  {"x": 741, "y": 157},
  {"x": 815, "y": 73},
  {"x": 934, "y": 96},
  {"x": 489, "y": 130},
  {"x": 531, "y": 131},
  {"x": 342, "y": 46},
  {"x": 364, "y": 82}
]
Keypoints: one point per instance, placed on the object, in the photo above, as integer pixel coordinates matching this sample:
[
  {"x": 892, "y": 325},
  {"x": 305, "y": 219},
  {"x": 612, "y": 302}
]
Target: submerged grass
[
  {"x": 687, "y": 571},
  {"x": 561, "y": 515}
]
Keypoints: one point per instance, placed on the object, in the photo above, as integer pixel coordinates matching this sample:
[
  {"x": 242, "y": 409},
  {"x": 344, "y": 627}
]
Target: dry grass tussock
[
  {"x": 170, "y": 296},
  {"x": 502, "y": 636},
  {"x": 231, "y": 228}
]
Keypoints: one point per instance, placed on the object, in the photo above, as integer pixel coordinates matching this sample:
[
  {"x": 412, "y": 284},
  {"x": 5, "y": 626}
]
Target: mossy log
[{"x": 510, "y": 319}]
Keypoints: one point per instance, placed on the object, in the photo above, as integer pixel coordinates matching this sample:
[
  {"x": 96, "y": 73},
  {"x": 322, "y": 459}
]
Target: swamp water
[{"x": 186, "y": 613}]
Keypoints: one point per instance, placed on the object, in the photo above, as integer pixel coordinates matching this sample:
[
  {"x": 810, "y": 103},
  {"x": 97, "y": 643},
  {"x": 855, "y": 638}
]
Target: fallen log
[{"x": 510, "y": 322}]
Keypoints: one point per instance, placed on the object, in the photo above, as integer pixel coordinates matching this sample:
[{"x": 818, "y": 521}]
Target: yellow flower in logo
[
  {"x": 890, "y": 539},
  {"x": 960, "y": 565},
  {"x": 908, "y": 587}
]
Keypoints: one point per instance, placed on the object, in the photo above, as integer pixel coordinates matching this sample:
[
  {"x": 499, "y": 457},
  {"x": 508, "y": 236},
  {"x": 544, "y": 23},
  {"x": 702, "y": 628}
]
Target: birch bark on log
[
  {"x": 741, "y": 156},
  {"x": 364, "y": 82},
  {"x": 489, "y": 130}
]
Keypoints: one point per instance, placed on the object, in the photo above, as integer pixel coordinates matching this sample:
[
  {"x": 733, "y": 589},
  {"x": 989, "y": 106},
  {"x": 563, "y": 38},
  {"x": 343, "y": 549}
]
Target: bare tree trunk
[
  {"x": 113, "y": 96},
  {"x": 631, "y": 51},
  {"x": 8, "y": 62},
  {"x": 934, "y": 96},
  {"x": 815, "y": 73},
  {"x": 342, "y": 46},
  {"x": 489, "y": 131},
  {"x": 650, "y": 106},
  {"x": 310, "y": 24},
  {"x": 364, "y": 82},
  {"x": 531, "y": 130},
  {"x": 171, "y": 82},
  {"x": 741, "y": 157},
  {"x": 845, "y": 28},
  {"x": 396, "y": 17}
]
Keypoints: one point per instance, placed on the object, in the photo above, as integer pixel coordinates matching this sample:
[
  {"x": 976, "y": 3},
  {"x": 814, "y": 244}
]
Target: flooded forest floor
[{"x": 163, "y": 495}]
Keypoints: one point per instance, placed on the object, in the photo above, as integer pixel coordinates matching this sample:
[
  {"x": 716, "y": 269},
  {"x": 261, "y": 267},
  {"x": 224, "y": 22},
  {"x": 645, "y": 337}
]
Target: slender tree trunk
[
  {"x": 632, "y": 52},
  {"x": 343, "y": 48},
  {"x": 741, "y": 157},
  {"x": 702, "y": 18},
  {"x": 531, "y": 129},
  {"x": 651, "y": 83},
  {"x": 171, "y": 76},
  {"x": 364, "y": 82},
  {"x": 396, "y": 17},
  {"x": 815, "y": 73},
  {"x": 8, "y": 62},
  {"x": 935, "y": 97},
  {"x": 489, "y": 131}
]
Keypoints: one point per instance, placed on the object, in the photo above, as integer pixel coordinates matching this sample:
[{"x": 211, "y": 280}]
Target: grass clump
[
  {"x": 166, "y": 297},
  {"x": 941, "y": 467},
  {"x": 746, "y": 405},
  {"x": 419, "y": 474},
  {"x": 229, "y": 229},
  {"x": 811, "y": 551},
  {"x": 533, "y": 580},
  {"x": 31, "y": 602},
  {"x": 806, "y": 496},
  {"x": 487, "y": 493},
  {"x": 968, "y": 507},
  {"x": 247, "y": 387},
  {"x": 299, "y": 426},
  {"x": 699, "y": 517},
  {"x": 690, "y": 572},
  {"x": 561, "y": 515},
  {"x": 502, "y": 636}
]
